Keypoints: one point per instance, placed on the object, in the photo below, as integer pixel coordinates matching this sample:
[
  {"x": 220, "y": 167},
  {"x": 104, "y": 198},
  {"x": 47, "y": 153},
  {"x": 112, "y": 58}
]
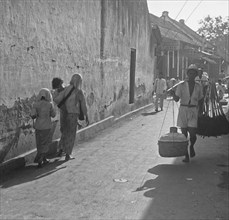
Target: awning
[
  {"x": 209, "y": 60},
  {"x": 209, "y": 54},
  {"x": 226, "y": 78}
]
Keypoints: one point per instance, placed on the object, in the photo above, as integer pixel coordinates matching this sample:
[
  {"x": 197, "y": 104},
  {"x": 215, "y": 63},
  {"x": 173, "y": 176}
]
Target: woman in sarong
[{"x": 42, "y": 112}]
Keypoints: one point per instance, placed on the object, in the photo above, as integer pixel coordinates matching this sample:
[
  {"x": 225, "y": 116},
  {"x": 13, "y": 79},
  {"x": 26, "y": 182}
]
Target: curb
[
  {"x": 125, "y": 116},
  {"x": 91, "y": 130},
  {"x": 82, "y": 135}
]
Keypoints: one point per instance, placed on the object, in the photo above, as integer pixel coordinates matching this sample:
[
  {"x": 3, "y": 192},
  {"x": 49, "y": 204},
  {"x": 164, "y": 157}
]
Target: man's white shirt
[{"x": 160, "y": 86}]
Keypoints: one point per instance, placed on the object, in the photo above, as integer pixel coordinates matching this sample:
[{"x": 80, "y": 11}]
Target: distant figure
[
  {"x": 178, "y": 80},
  {"x": 74, "y": 98},
  {"x": 199, "y": 76},
  {"x": 202, "y": 77},
  {"x": 189, "y": 93},
  {"x": 203, "y": 80},
  {"x": 173, "y": 81},
  {"x": 221, "y": 74},
  {"x": 168, "y": 82},
  {"x": 220, "y": 90},
  {"x": 42, "y": 112},
  {"x": 160, "y": 90},
  {"x": 228, "y": 87}
]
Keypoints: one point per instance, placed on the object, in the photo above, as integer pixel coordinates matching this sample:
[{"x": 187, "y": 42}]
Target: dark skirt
[
  {"x": 69, "y": 129},
  {"x": 43, "y": 140}
]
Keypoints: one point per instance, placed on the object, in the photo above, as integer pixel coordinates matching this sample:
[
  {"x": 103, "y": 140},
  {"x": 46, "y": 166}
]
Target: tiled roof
[
  {"x": 169, "y": 33},
  {"x": 178, "y": 31},
  {"x": 161, "y": 23},
  {"x": 172, "y": 29},
  {"x": 196, "y": 37}
]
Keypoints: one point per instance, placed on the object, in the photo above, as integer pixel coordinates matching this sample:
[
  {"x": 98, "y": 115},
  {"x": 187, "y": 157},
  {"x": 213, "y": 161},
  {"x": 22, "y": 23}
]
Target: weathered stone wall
[
  {"x": 43, "y": 39},
  {"x": 126, "y": 26}
]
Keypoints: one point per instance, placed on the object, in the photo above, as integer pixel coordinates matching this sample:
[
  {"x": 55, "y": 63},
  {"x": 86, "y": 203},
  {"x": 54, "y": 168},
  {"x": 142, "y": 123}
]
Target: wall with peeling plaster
[{"x": 43, "y": 39}]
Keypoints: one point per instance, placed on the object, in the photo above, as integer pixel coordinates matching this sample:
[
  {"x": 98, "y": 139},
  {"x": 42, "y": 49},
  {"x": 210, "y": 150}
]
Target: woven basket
[
  {"x": 223, "y": 102},
  {"x": 173, "y": 144}
]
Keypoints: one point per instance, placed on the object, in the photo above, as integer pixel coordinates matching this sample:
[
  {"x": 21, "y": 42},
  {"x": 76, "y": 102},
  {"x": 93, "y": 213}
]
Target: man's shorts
[{"x": 187, "y": 117}]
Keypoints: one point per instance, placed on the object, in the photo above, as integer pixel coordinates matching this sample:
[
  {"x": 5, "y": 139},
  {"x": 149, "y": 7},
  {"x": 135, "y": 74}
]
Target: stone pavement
[{"x": 119, "y": 175}]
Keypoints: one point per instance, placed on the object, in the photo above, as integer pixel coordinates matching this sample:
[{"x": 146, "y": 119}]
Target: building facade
[
  {"x": 181, "y": 46},
  {"x": 111, "y": 43}
]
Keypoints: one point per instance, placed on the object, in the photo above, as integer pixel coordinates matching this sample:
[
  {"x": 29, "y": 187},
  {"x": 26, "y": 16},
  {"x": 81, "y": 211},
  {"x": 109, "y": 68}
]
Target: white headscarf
[
  {"x": 44, "y": 92},
  {"x": 76, "y": 81}
]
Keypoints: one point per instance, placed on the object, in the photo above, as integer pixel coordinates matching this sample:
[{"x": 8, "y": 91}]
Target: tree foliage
[{"x": 213, "y": 29}]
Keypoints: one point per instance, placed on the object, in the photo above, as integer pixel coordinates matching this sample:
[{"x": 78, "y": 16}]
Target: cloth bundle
[{"x": 212, "y": 120}]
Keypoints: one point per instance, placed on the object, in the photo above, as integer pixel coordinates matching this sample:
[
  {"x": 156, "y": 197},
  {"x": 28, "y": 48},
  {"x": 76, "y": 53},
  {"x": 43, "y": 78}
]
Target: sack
[
  {"x": 81, "y": 115},
  {"x": 212, "y": 120},
  {"x": 212, "y": 126}
]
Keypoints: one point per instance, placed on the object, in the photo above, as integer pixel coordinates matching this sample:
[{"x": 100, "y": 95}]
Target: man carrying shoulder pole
[{"x": 190, "y": 94}]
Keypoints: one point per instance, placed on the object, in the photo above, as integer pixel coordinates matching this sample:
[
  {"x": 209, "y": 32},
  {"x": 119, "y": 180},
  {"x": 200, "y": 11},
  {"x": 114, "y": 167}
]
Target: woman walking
[
  {"x": 42, "y": 112},
  {"x": 72, "y": 97}
]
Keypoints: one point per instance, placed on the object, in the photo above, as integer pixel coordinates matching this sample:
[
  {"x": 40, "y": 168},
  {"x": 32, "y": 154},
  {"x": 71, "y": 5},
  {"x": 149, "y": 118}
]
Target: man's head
[
  {"x": 56, "y": 83},
  {"x": 76, "y": 80},
  {"x": 192, "y": 72},
  {"x": 200, "y": 72},
  {"x": 160, "y": 75}
]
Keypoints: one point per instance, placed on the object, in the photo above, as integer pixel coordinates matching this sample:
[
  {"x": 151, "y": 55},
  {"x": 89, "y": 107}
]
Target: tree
[
  {"x": 213, "y": 29},
  {"x": 216, "y": 31}
]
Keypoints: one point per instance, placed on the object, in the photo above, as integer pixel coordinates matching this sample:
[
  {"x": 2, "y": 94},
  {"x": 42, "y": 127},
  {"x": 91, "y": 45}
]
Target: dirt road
[{"x": 120, "y": 175}]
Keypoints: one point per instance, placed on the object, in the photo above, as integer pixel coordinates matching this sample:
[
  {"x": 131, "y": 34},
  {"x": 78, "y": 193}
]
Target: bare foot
[{"x": 69, "y": 157}]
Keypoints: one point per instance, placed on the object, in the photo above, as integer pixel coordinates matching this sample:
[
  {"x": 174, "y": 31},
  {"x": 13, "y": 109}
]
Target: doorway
[{"x": 132, "y": 75}]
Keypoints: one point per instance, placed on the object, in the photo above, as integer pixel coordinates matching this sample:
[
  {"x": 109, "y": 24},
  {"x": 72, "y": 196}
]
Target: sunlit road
[{"x": 120, "y": 175}]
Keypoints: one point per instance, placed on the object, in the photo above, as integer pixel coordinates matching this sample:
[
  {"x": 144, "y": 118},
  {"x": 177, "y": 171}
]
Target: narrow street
[{"x": 120, "y": 175}]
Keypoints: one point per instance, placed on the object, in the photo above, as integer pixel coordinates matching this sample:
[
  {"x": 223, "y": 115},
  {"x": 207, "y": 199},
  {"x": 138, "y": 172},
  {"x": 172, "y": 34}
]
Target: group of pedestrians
[{"x": 71, "y": 102}]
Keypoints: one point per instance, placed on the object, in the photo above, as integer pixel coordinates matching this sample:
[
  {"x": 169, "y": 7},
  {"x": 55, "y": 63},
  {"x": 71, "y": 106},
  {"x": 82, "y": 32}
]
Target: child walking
[{"x": 42, "y": 112}]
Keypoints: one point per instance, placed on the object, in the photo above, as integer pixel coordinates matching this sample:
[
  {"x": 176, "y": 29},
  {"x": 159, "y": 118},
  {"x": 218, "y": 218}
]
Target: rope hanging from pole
[{"x": 166, "y": 114}]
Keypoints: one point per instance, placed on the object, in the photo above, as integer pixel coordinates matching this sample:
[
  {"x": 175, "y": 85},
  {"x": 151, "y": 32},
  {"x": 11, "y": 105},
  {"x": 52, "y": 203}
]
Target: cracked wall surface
[{"x": 43, "y": 39}]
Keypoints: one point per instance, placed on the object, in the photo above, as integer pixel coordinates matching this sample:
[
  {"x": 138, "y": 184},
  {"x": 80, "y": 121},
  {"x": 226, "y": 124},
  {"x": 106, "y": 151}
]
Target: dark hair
[
  {"x": 161, "y": 74},
  {"x": 56, "y": 82},
  {"x": 194, "y": 70}
]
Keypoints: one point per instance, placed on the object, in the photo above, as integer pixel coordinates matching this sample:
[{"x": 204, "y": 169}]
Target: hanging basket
[
  {"x": 223, "y": 102},
  {"x": 212, "y": 121},
  {"x": 173, "y": 144},
  {"x": 212, "y": 126}
]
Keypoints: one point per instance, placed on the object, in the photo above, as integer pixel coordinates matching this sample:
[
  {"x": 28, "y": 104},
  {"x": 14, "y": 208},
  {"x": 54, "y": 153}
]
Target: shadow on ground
[
  {"x": 149, "y": 113},
  {"x": 178, "y": 191},
  {"x": 30, "y": 173}
]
